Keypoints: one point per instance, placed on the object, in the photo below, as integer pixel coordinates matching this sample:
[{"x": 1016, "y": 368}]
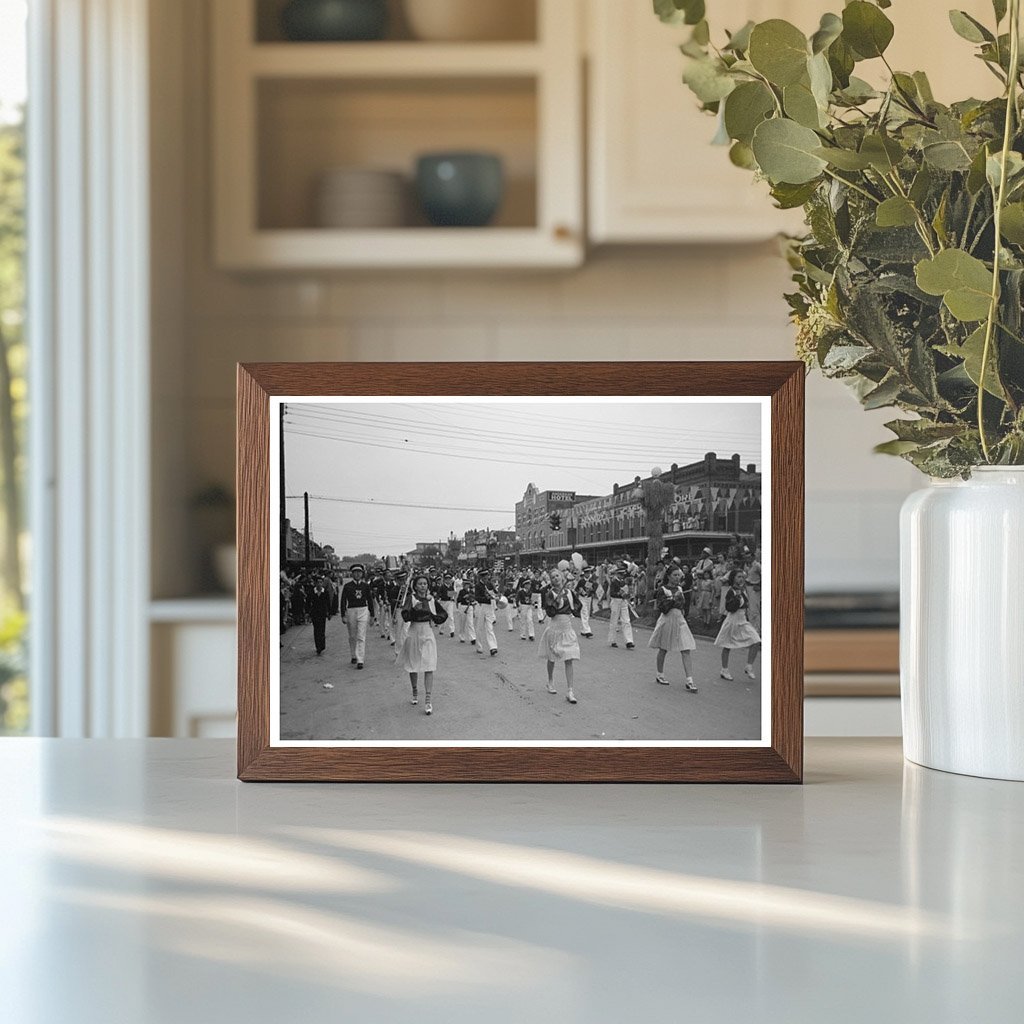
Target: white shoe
[
  {"x": 690, "y": 685},
  {"x": 662, "y": 680},
  {"x": 725, "y": 674},
  {"x": 749, "y": 670}
]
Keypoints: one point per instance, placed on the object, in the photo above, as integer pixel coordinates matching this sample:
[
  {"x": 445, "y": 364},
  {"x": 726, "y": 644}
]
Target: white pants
[
  {"x": 508, "y": 614},
  {"x": 387, "y": 621},
  {"x": 540, "y": 608},
  {"x": 485, "y": 627},
  {"x": 468, "y": 631},
  {"x": 526, "y": 620},
  {"x": 620, "y": 617},
  {"x": 449, "y": 624},
  {"x": 585, "y": 603},
  {"x": 357, "y": 619}
]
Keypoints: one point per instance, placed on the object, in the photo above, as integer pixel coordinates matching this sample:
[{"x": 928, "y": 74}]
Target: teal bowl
[
  {"x": 334, "y": 21},
  {"x": 460, "y": 190}
]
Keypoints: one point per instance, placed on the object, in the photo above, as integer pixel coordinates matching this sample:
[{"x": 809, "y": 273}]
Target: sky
[
  {"x": 12, "y": 56},
  {"x": 466, "y": 465}
]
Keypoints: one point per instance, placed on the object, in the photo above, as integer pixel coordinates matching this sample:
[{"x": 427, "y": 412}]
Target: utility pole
[
  {"x": 282, "y": 512},
  {"x": 305, "y": 502}
]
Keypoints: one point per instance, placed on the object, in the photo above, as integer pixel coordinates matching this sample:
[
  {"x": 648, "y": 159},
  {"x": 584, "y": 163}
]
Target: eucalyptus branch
[
  {"x": 853, "y": 185},
  {"x": 1000, "y": 198}
]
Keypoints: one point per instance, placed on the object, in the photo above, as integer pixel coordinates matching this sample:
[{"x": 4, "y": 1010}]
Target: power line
[
  {"x": 512, "y": 439},
  {"x": 619, "y": 463},
  {"x": 399, "y": 504}
]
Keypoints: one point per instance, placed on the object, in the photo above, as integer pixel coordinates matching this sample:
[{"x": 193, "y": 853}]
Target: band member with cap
[
  {"x": 559, "y": 642},
  {"x": 705, "y": 563},
  {"x": 486, "y": 597},
  {"x": 444, "y": 595},
  {"x": 536, "y": 594},
  {"x": 620, "y": 593},
  {"x": 378, "y": 587},
  {"x": 524, "y": 597},
  {"x": 506, "y": 594},
  {"x": 419, "y": 649},
  {"x": 356, "y": 606},
  {"x": 466, "y": 603},
  {"x": 672, "y": 632},
  {"x": 585, "y": 589},
  {"x": 392, "y": 595},
  {"x": 319, "y": 609}
]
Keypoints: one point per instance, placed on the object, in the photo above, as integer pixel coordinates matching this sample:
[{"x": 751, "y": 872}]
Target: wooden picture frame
[{"x": 780, "y": 759}]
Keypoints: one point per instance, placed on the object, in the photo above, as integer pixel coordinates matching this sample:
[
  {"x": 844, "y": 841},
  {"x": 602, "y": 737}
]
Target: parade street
[{"x": 501, "y": 698}]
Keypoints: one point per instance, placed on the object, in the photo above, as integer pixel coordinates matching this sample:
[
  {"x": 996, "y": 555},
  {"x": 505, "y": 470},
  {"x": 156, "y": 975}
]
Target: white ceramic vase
[{"x": 962, "y": 624}]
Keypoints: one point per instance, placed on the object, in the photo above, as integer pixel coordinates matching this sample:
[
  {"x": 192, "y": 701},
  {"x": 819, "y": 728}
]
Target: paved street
[{"x": 479, "y": 697}]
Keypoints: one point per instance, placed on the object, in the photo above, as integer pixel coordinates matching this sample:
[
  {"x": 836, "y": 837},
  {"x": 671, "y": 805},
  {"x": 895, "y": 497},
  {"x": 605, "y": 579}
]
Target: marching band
[{"x": 406, "y": 607}]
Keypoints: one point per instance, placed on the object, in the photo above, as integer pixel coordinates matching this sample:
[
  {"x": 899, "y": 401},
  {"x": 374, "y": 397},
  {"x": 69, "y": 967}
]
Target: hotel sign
[{"x": 562, "y": 496}]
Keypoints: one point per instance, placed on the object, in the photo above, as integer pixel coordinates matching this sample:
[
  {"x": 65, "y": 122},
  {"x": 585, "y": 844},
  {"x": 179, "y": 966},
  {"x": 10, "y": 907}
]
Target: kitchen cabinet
[
  {"x": 287, "y": 113},
  {"x": 653, "y": 175}
]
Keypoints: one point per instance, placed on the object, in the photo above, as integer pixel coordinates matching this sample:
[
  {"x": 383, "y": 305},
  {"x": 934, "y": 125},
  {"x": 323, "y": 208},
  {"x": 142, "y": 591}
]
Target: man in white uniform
[
  {"x": 356, "y": 606},
  {"x": 620, "y": 594}
]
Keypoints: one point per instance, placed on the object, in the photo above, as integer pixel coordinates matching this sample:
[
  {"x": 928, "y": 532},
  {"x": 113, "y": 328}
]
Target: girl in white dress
[
  {"x": 419, "y": 651},
  {"x": 736, "y": 632},
  {"x": 672, "y": 632},
  {"x": 559, "y": 641}
]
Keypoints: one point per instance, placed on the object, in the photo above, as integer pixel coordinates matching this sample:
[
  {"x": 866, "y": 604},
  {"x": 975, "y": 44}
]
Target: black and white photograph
[{"x": 571, "y": 571}]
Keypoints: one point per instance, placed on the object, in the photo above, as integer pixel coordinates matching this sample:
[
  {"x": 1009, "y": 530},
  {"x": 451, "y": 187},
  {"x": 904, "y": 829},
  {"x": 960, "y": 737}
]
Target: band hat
[
  {"x": 707, "y": 551},
  {"x": 359, "y": 566}
]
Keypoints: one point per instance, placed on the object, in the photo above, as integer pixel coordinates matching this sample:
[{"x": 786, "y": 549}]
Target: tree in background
[
  {"x": 13, "y": 411},
  {"x": 656, "y": 497}
]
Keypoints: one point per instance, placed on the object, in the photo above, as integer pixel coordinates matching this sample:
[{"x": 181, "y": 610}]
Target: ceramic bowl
[
  {"x": 471, "y": 20},
  {"x": 460, "y": 189},
  {"x": 334, "y": 20}
]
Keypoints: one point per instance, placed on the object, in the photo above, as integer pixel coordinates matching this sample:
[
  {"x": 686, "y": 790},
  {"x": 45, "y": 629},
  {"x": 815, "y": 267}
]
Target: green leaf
[
  {"x": 921, "y": 185},
  {"x": 999, "y": 7},
  {"x": 883, "y": 153},
  {"x": 1014, "y": 169},
  {"x": 679, "y": 12},
  {"x": 866, "y": 29},
  {"x": 708, "y": 81},
  {"x": 742, "y": 155},
  {"x": 968, "y": 28},
  {"x": 778, "y": 50},
  {"x": 739, "y": 41},
  {"x": 701, "y": 33},
  {"x": 789, "y": 197},
  {"x": 785, "y": 152},
  {"x": 896, "y": 212},
  {"x": 976, "y": 174},
  {"x": 1012, "y": 224},
  {"x": 820, "y": 76},
  {"x": 947, "y": 156},
  {"x": 800, "y": 105},
  {"x": 896, "y": 447},
  {"x": 963, "y": 281},
  {"x": 923, "y": 431},
  {"x": 885, "y": 394},
  {"x": 841, "y": 60},
  {"x": 924, "y": 87},
  {"x": 829, "y": 30},
  {"x": 844, "y": 159},
  {"x": 745, "y": 108},
  {"x": 971, "y": 352}
]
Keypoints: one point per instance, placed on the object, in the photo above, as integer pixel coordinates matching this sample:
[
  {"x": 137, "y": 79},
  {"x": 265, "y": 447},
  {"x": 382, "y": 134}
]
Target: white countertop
[{"x": 142, "y": 884}]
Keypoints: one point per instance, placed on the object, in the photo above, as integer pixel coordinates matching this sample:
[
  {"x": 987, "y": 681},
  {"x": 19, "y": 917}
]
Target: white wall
[{"x": 665, "y": 303}]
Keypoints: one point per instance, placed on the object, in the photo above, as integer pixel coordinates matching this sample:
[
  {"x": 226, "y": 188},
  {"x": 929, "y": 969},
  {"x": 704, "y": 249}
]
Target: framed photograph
[{"x": 557, "y": 572}]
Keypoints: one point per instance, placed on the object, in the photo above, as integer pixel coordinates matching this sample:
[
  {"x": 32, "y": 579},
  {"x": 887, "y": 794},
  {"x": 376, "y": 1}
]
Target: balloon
[
  {"x": 577, "y": 560},
  {"x": 563, "y": 565}
]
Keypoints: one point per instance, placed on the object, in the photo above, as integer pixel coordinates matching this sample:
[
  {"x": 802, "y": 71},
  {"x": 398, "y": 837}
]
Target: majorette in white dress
[
  {"x": 736, "y": 631},
  {"x": 559, "y": 642},
  {"x": 672, "y": 632},
  {"x": 419, "y": 651}
]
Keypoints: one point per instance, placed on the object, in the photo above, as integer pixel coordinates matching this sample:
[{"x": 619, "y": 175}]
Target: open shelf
[
  {"x": 286, "y": 114},
  {"x": 520, "y": 15},
  {"x": 393, "y": 60}
]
